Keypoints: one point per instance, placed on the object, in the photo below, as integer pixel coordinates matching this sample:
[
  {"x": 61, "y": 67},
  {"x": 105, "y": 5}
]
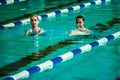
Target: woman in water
[
  {"x": 35, "y": 30},
  {"x": 81, "y": 30}
]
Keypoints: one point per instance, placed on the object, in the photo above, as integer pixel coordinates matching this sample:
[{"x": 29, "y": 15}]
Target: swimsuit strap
[{"x": 30, "y": 30}]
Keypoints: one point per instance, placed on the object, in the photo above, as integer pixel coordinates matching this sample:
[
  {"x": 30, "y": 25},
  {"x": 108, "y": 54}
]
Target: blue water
[
  {"x": 102, "y": 63},
  {"x": 27, "y": 7}
]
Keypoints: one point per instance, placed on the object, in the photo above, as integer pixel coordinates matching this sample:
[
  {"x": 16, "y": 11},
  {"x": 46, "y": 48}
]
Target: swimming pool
[
  {"x": 101, "y": 63},
  {"x": 18, "y": 9}
]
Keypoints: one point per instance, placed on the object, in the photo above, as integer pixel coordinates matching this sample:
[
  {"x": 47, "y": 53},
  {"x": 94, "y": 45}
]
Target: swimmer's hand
[
  {"x": 73, "y": 33},
  {"x": 86, "y": 31}
]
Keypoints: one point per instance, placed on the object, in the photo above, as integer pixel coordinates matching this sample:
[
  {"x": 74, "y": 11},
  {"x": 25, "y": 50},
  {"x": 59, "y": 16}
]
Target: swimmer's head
[
  {"x": 34, "y": 20},
  {"x": 34, "y": 15},
  {"x": 80, "y": 16},
  {"x": 80, "y": 21}
]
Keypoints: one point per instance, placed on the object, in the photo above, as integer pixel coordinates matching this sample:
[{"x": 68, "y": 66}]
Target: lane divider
[
  {"x": 6, "y": 2},
  {"x": 69, "y": 55},
  {"x": 55, "y": 13}
]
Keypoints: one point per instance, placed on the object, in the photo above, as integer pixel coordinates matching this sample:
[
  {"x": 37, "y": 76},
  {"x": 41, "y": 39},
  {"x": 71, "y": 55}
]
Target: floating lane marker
[
  {"x": 27, "y": 20},
  {"x": 7, "y": 2},
  {"x": 64, "y": 10},
  {"x": 76, "y": 7},
  {"x": 55, "y": 13},
  {"x": 69, "y": 55},
  {"x": 87, "y": 4},
  {"x": 52, "y": 14},
  {"x": 8, "y": 25}
]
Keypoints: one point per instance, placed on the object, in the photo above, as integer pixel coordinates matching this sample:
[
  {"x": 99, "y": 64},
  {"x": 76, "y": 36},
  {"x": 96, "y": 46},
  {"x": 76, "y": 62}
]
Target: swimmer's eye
[
  {"x": 78, "y": 22},
  {"x": 33, "y": 20}
]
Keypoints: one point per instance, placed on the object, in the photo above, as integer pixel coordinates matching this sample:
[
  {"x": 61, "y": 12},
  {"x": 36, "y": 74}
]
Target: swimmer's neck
[
  {"x": 81, "y": 28},
  {"x": 34, "y": 28}
]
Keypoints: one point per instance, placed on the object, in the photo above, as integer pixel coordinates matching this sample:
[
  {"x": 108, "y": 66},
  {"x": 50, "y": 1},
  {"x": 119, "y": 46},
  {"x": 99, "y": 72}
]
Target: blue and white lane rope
[
  {"x": 6, "y": 2},
  {"x": 51, "y": 63},
  {"x": 55, "y": 13}
]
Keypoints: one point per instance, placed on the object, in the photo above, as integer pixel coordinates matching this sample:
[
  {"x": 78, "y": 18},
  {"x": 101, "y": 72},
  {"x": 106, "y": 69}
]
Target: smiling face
[
  {"x": 34, "y": 21},
  {"x": 79, "y": 22}
]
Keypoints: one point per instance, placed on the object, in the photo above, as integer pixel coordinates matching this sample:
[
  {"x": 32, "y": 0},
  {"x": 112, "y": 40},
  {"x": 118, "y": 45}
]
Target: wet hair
[
  {"x": 80, "y": 16},
  {"x": 35, "y": 16}
]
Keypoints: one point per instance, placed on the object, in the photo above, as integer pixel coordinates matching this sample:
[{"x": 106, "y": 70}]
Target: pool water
[
  {"x": 25, "y": 8},
  {"x": 101, "y": 63}
]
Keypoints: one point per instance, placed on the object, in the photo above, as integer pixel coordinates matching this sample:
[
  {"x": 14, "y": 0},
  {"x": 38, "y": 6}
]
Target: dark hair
[
  {"x": 80, "y": 16},
  {"x": 35, "y": 16}
]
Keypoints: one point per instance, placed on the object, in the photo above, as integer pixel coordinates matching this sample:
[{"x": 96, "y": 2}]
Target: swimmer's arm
[
  {"x": 40, "y": 32},
  {"x": 27, "y": 33}
]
